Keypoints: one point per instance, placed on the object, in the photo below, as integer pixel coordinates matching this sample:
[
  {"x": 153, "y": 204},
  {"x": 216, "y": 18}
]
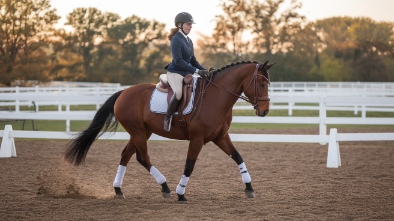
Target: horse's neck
[
  {"x": 230, "y": 86},
  {"x": 232, "y": 80}
]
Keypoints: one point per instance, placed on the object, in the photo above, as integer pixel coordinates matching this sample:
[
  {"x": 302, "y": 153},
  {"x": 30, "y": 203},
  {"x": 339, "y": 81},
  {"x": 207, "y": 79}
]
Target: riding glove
[{"x": 203, "y": 73}]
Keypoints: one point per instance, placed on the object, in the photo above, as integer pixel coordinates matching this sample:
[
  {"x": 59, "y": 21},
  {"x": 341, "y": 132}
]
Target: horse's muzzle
[
  {"x": 262, "y": 108},
  {"x": 261, "y": 113}
]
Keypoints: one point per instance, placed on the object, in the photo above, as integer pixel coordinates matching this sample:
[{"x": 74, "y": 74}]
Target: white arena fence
[
  {"x": 47, "y": 96},
  {"x": 8, "y": 148},
  {"x": 379, "y": 87},
  {"x": 320, "y": 96},
  {"x": 322, "y": 103}
]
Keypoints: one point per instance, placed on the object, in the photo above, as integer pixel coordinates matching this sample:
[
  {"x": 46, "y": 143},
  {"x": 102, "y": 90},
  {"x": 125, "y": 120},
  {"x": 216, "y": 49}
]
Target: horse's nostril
[{"x": 265, "y": 112}]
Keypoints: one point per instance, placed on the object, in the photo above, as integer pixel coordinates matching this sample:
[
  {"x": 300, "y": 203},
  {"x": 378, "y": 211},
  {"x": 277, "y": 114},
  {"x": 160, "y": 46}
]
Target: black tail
[{"x": 103, "y": 120}]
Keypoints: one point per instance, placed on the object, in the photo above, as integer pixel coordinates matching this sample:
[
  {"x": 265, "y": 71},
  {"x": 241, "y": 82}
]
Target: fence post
[
  {"x": 17, "y": 101},
  {"x": 363, "y": 108},
  {"x": 322, "y": 117},
  {"x": 363, "y": 111},
  {"x": 8, "y": 143},
  {"x": 68, "y": 124},
  {"x": 97, "y": 94},
  {"x": 333, "y": 154},
  {"x": 290, "y": 110}
]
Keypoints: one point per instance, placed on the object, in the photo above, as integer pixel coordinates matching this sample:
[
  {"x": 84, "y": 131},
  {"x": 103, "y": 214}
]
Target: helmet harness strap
[{"x": 181, "y": 28}]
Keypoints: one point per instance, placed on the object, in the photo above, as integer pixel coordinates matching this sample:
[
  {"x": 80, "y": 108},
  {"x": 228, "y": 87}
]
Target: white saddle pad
[{"x": 158, "y": 101}]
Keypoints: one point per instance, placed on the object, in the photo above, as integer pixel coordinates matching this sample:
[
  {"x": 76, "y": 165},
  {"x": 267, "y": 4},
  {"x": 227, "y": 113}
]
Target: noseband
[{"x": 253, "y": 81}]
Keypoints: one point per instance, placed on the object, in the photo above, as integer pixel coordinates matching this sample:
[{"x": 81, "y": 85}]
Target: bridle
[{"x": 253, "y": 81}]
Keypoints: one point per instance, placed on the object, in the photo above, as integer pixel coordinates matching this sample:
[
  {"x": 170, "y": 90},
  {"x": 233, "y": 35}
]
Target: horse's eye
[{"x": 262, "y": 85}]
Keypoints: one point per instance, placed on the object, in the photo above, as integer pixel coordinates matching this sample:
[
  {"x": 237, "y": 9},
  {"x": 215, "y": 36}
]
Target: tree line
[{"x": 105, "y": 48}]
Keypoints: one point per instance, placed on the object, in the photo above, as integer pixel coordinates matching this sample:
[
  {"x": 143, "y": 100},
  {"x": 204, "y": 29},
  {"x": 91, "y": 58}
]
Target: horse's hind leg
[
  {"x": 160, "y": 179},
  {"x": 126, "y": 155},
  {"x": 144, "y": 160},
  {"x": 225, "y": 144}
]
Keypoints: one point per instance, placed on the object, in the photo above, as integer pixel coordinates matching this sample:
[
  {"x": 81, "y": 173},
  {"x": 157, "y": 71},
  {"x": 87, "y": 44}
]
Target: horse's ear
[
  {"x": 270, "y": 65},
  {"x": 262, "y": 66}
]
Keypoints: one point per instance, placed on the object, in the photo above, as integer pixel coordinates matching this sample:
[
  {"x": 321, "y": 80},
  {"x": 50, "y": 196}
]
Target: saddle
[{"x": 187, "y": 89}]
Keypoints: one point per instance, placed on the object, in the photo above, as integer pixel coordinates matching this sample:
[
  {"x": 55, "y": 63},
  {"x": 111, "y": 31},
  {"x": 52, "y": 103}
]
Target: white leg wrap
[
  {"x": 244, "y": 173},
  {"x": 180, "y": 189},
  {"x": 119, "y": 176},
  {"x": 160, "y": 179}
]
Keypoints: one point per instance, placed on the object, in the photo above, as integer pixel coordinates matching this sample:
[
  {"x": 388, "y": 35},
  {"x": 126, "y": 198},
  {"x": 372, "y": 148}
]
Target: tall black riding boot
[{"x": 172, "y": 106}]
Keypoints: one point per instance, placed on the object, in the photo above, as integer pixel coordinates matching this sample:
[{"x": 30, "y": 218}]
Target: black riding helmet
[{"x": 183, "y": 17}]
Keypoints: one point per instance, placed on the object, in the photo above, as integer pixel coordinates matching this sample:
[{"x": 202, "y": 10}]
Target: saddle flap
[{"x": 187, "y": 90}]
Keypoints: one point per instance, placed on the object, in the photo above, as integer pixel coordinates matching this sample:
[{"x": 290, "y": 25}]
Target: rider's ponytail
[{"x": 173, "y": 31}]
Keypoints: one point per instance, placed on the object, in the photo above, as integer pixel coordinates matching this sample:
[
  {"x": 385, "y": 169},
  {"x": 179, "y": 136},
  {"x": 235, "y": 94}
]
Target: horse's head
[{"x": 256, "y": 88}]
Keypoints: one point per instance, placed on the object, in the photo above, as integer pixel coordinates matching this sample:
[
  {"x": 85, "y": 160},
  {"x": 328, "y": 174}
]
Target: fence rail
[
  {"x": 332, "y": 85},
  {"x": 342, "y": 100},
  {"x": 8, "y": 148},
  {"x": 320, "y": 103}
]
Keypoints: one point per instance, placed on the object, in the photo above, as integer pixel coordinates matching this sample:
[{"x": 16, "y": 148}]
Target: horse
[{"x": 209, "y": 121}]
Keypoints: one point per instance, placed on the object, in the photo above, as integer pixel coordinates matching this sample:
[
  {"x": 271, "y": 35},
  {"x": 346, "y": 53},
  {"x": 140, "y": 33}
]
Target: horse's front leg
[
  {"x": 192, "y": 154},
  {"x": 225, "y": 144}
]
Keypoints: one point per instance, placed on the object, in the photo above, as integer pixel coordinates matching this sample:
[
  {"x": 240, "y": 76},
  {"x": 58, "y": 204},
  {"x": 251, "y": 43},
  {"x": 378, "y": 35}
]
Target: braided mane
[{"x": 233, "y": 64}]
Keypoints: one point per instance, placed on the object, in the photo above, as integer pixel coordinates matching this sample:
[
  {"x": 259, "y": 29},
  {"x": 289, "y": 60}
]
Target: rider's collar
[{"x": 184, "y": 35}]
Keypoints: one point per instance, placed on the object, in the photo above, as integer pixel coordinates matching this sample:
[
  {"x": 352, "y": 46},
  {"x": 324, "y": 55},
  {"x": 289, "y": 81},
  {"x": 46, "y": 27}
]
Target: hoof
[
  {"x": 249, "y": 190},
  {"x": 166, "y": 195},
  {"x": 118, "y": 193},
  {"x": 182, "y": 199},
  {"x": 249, "y": 194},
  {"x": 119, "y": 196},
  {"x": 165, "y": 190}
]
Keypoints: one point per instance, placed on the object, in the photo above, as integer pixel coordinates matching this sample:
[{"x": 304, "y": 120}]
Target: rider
[{"x": 183, "y": 62}]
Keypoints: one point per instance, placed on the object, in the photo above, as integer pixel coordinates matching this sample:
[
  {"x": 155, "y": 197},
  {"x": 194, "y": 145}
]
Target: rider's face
[{"x": 187, "y": 27}]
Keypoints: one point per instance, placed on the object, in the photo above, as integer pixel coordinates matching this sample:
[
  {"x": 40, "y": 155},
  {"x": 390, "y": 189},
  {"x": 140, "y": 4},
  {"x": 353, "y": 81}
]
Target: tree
[
  {"x": 64, "y": 62},
  {"x": 136, "y": 37},
  {"x": 361, "y": 43},
  {"x": 374, "y": 41},
  {"x": 24, "y": 26},
  {"x": 301, "y": 59},
  {"x": 227, "y": 40},
  {"x": 273, "y": 31},
  {"x": 157, "y": 58},
  {"x": 90, "y": 26},
  {"x": 249, "y": 29}
]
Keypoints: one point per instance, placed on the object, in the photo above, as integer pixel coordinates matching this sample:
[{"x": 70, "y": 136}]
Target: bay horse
[{"x": 210, "y": 121}]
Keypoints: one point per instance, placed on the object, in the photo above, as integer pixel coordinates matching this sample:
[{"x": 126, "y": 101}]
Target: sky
[{"x": 204, "y": 11}]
